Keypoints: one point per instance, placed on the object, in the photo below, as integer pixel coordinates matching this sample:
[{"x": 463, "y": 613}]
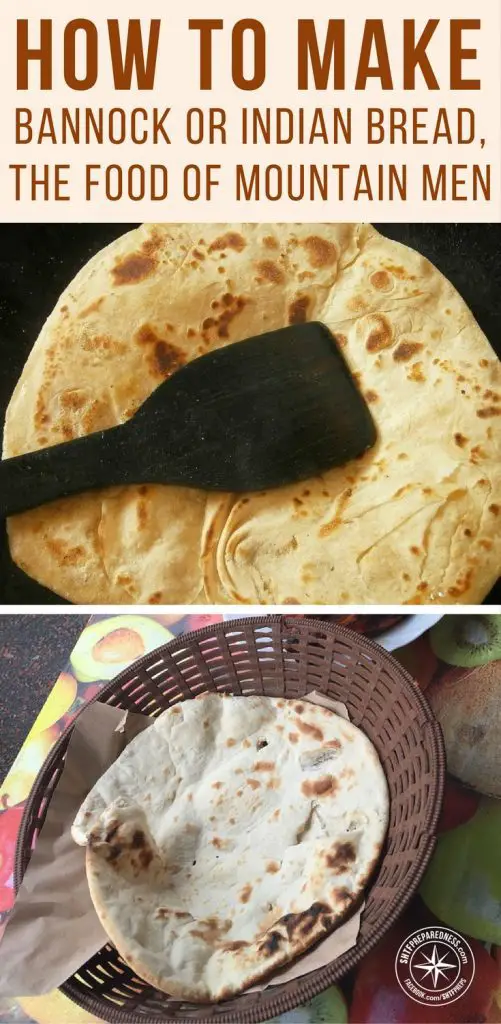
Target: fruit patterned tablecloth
[{"x": 458, "y": 664}]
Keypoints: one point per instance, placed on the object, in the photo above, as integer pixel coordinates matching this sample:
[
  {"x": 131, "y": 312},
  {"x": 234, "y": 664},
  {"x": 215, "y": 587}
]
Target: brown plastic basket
[{"x": 277, "y": 656}]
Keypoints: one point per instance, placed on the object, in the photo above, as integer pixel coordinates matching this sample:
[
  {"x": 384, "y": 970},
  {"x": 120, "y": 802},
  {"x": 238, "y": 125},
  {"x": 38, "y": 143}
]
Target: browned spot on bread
[
  {"x": 400, "y": 272},
  {"x": 460, "y": 440},
  {"x": 245, "y": 893},
  {"x": 291, "y": 600},
  {"x": 319, "y": 787},
  {"x": 405, "y": 576},
  {"x": 488, "y": 411},
  {"x": 406, "y": 350},
  {"x": 340, "y": 858},
  {"x": 341, "y": 340},
  {"x": 220, "y": 844},
  {"x": 72, "y": 400},
  {"x": 272, "y": 867},
  {"x": 156, "y": 597},
  {"x": 145, "y": 858},
  {"x": 309, "y": 730},
  {"x": 293, "y": 737},
  {"x": 232, "y": 821},
  {"x": 299, "y": 709},
  {"x": 142, "y": 513},
  {"x": 380, "y": 335},
  {"x": 63, "y": 552},
  {"x": 320, "y": 252},
  {"x": 263, "y": 766},
  {"x": 423, "y": 587},
  {"x": 134, "y": 268},
  {"x": 268, "y": 271},
  {"x": 230, "y": 742},
  {"x": 298, "y": 310},
  {"x": 271, "y": 943},
  {"x": 415, "y": 550},
  {"x": 253, "y": 783},
  {"x": 403, "y": 455},
  {"x": 270, "y": 242},
  {"x": 198, "y": 255},
  {"x": 495, "y": 509},
  {"x": 468, "y": 532},
  {"x": 93, "y": 308},
  {"x": 276, "y": 813},
  {"x": 342, "y": 895},
  {"x": 219, "y": 326},
  {"x": 416, "y": 373},
  {"x": 273, "y": 783},
  {"x": 167, "y": 358},
  {"x": 371, "y": 396},
  {"x": 163, "y": 912},
  {"x": 486, "y": 544},
  {"x": 217, "y": 785},
  {"x": 303, "y": 923},
  {"x": 463, "y": 584},
  {"x": 163, "y": 357},
  {"x": 152, "y": 244},
  {"x": 211, "y": 929},
  {"x": 380, "y": 280},
  {"x": 477, "y": 454},
  {"x": 231, "y": 240},
  {"x": 357, "y": 304},
  {"x": 233, "y": 947}
]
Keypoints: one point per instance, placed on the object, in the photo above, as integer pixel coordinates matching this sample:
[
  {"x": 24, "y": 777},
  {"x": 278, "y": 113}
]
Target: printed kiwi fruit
[{"x": 467, "y": 640}]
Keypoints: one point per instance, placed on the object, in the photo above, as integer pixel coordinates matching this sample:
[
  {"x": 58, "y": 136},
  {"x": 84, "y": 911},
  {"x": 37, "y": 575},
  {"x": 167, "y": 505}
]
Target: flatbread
[
  {"x": 229, "y": 837},
  {"x": 416, "y": 520}
]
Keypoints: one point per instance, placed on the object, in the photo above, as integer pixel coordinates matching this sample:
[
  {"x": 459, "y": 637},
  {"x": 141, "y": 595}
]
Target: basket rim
[{"x": 332, "y": 972}]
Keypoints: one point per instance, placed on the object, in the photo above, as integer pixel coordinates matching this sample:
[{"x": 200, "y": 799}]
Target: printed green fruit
[{"x": 462, "y": 885}]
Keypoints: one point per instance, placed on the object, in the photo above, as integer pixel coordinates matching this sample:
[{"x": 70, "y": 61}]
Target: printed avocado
[{"x": 108, "y": 646}]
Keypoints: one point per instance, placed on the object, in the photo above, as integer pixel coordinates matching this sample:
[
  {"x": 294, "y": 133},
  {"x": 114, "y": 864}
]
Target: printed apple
[
  {"x": 6, "y": 898},
  {"x": 419, "y": 660},
  {"x": 378, "y": 998},
  {"x": 459, "y": 805},
  {"x": 10, "y": 821},
  {"x": 23, "y": 773}
]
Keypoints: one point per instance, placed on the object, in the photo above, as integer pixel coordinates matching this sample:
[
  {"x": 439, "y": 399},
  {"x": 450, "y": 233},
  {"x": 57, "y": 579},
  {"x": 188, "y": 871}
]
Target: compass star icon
[{"x": 435, "y": 966}]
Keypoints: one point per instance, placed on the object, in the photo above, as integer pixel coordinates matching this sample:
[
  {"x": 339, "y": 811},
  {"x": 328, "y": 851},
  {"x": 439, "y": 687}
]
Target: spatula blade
[{"x": 263, "y": 413}]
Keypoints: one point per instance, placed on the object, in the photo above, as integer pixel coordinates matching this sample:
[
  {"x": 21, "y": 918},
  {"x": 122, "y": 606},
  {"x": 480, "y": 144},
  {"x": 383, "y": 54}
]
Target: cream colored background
[{"x": 177, "y": 86}]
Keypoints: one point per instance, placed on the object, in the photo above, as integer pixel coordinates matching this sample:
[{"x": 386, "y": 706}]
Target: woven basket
[{"x": 277, "y": 656}]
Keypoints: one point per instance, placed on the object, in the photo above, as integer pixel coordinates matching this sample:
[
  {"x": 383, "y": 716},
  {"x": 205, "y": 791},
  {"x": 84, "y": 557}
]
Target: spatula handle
[{"x": 27, "y": 481}]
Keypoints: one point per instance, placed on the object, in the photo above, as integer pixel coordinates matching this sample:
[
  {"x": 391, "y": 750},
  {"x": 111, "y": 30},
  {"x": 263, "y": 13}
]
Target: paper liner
[{"x": 54, "y": 928}]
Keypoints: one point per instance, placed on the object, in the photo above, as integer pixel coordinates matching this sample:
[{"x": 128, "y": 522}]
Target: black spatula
[{"x": 269, "y": 411}]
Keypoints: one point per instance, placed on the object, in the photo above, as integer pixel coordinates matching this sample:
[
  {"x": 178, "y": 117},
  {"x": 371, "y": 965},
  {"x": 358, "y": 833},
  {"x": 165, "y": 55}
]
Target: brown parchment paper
[{"x": 54, "y": 928}]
